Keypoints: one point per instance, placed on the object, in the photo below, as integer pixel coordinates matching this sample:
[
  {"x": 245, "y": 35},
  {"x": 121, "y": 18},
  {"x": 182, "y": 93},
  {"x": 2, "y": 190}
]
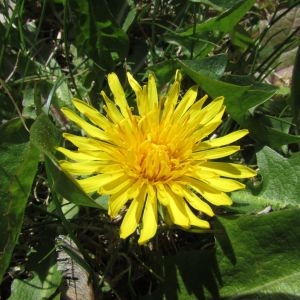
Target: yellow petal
[
  {"x": 197, "y": 106},
  {"x": 197, "y": 172},
  {"x": 90, "y": 184},
  {"x": 211, "y": 110},
  {"x": 206, "y": 130},
  {"x": 197, "y": 203},
  {"x": 116, "y": 185},
  {"x": 86, "y": 144},
  {"x": 149, "y": 225},
  {"x": 133, "y": 215},
  {"x": 119, "y": 95},
  {"x": 162, "y": 195},
  {"x": 140, "y": 99},
  {"x": 228, "y": 169},
  {"x": 195, "y": 221},
  {"x": 134, "y": 84},
  {"x": 93, "y": 183},
  {"x": 215, "y": 153},
  {"x": 186, "y": 102},
  {"x": 224, "y": 184},
  {"x": 176, "y": 209},
  {"x": 82, "y": 142},
  {"x": 131, "y": 219},
  {"x": 112, "y": 111},
  {"x": 88, "y": 128},
  {"x": 222, "y": 141},
  {"x": 119, "y": 199},
  {"x": 81, "y": 168},
  {"x": 170, "y": 102},
  {"x": 191, "y": 198},
  {"x": 94, "y": 115},
  {"x": 210, "y": 194},
  {"x": 152, "y": 93},
  {"x": 88, "y": 155},
  {"x": 117, "y": 202}
]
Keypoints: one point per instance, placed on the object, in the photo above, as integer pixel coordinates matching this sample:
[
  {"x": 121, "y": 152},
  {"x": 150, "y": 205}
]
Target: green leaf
[
  {"x": 226, "y": 21},
  {"x": 44, "y": 135},
  {"x": 212, "y": 67},
  {"x": 97, "y": 34},
  {"x": 263, "y": 256},
  {"x": 266, "y": 135},
  {"x": 45, "y": 278},
  {"x": 41, "y": 264},
  {"x": 280, "y": 183},
  {"x": 18, "y": 165},
  {"x": 36, "y": 288},
  {"x": 257, "y": 257}
]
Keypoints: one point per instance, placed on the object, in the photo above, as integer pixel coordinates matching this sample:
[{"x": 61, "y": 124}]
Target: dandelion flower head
[{"x": 155, "y": 156}]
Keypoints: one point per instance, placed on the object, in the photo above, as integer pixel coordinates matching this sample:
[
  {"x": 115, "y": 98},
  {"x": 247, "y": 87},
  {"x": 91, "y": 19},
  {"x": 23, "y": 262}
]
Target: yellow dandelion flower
[{"x": 157, "y": 156}]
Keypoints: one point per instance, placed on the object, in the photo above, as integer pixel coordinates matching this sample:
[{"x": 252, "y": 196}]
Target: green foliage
[
  {"x": 51, "y": 51},
  {"x": 275, "y": 189},
  {"x": 37, "y": 288},
  {"x": 264, "y": 256},
  {"x": 247, "y": 263},
  {"x": 18, "y": 166}
]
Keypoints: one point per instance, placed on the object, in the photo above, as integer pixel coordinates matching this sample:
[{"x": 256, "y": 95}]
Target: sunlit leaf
[
  {"x": 225, "y": 21},
  {"x": 257, "y": 257},
  {"x": 261, "y": 258},
  {"x": 279, "y": 186}
]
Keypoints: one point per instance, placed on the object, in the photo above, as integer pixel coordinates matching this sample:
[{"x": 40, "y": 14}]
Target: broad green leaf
[
  {"x": 36, "y": 288},
  {"x": 18, "y": 166},
  {"x": 261, "y": 257},
  {"x": 257, "y": 257},
  {"x": 226, "y": 21},
  {"x": 257, "y": 94},
  {"x": 280, "y": 183},
  {"x": 45, "y": 136},
  {"x": 212, "y": 67},
  {"x": 45, "y": 278}
]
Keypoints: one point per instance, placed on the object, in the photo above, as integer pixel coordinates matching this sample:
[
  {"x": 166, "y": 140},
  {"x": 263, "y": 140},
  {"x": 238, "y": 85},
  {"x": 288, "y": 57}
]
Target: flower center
[{"x": 156, "y": 162}]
